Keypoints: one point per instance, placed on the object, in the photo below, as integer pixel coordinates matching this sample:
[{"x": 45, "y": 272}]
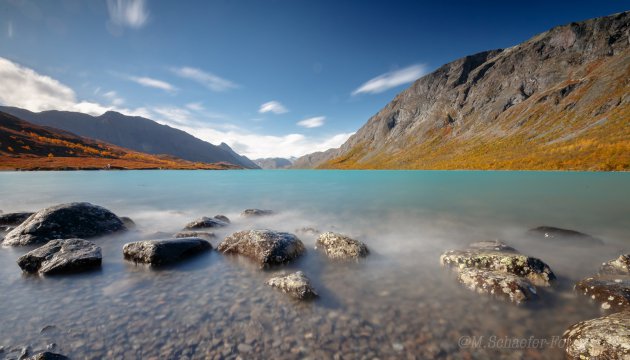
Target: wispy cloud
[
  {"x": 209, "y": 80},
  {"x": 312, "y": 122},
  {"x": 154, "y": 83},
  {"x": 195, "y": 106},
  {"x": 273, "y": 106},
  {"x": 128, "y": 13},
  {"x": 10, "y": 30},
  {"x": 391, "y": 79},
  {"x": 113, "y": 97}
]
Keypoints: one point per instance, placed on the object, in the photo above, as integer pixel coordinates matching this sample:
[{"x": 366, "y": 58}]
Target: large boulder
[
  {"x": 223, "y": 218},
  {"x": 256, "y": 212},
  {"x": 73, "y": 220},
  {"x": 198, "y": 234},
  {"x": 205, "y": 223},
  {"x": 618, "y": 266},
  {"x": 610, "y": 291},
  {"x": 159, "y": 252},
  {"x": 47, "y": 355},
  {"x": 266, "y": 247},
  {"x": 606, "y": 337},
  {"x": 506, "y": 286},
  {"x": 62, "y": 256},
  {"x": 14, "y": 219},
  {"x": 296, "y": 285},
  {"x": 550, "y": 234},
  {"x": 341, "y": 247}
]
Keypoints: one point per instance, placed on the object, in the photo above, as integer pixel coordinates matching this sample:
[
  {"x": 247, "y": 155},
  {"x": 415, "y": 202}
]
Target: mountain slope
[
  {"x": 560, "y": 100},
  {"x": 273, "y": 163},
  {"x": 134, "y": 132},
  {"x": 27, "y": 146}
]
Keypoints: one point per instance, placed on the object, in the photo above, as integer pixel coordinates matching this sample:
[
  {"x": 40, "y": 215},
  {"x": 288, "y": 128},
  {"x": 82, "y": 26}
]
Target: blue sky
[{"x": 270, "y": 78}]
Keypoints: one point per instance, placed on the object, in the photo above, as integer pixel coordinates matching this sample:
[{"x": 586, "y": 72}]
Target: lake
[{"x": 397, "y": 303}]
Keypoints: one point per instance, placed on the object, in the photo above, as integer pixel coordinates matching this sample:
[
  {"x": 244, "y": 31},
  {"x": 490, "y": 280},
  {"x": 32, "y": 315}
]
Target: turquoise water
[{"x": 398, "y": 303}]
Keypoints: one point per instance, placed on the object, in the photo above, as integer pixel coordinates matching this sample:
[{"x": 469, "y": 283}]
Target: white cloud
[
  {"x": 272, "y": 106},
  {"x": 209, "y": 80},
  {"x": 154, "y": 83},
  {"x": 195, "y": 106},
  {"x": 312, "y": 122},
  {"x": 391, "y": 79},
  {"x": 129, "y": 13},
  {"x": 113, "y": 97}
]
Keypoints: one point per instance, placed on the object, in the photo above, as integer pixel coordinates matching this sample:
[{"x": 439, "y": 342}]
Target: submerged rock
[
  {"x": 618, "y": 266},
  {"x": 223, "y": 218},
  {"x": 14, "y": 219},
  {"x": 130, "y": 224},
  {"x": 159, "y": 252},
  {"x": 157, "y": 235},
  {"x": 611, "y": 291},
  {"x": 256, "y": 212},
  {"x": 62, "y": 256},
  {"x": 506, "y": 286},
  {"x": 495, "y": 245},
  {"x": 74, "y": 220},
  {"x": 266, "y": 247},
  {"x": 571, "y": 237},
  {"x": 205, "y": 223},
  {"x": 507, "y": 262},
  {"x": 308, "y": 230},
  {"x": 47, "y": 355},
  {"x": 341, "y": 247},
  {"x": 198, "y": 234},
  {"x": 296, "y": 285},
  {"x": 606, "y": 337}
]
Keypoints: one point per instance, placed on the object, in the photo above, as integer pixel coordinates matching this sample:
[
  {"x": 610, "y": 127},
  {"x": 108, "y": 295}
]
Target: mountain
[
  {"x": 136, "y": 133},
  {"x": 557, "y": 101},
  {"x": 242, "y": 160},
  {"x": 26, "y": 146},
  {"x": 274, "y": 163}
]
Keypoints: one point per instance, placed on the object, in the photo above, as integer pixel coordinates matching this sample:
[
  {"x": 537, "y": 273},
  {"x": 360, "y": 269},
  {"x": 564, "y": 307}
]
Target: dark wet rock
[
  {"x": 266, "y": 247},
  {"x": 256, "y": 212},
  {"x": 506, "y": 286},
  {"x": 563, "y": 236},
  {"x": 341, "y": 247},
  {"x": 205, "y": 223},
  {"x": 158, "y": 252},
  {"x": 6, "y": 228},
  {"x": 198, "y": 234},
  {"x": 308, "y": 230},
  {"x": 73, "y": 220},
  {"x": 610, "y": 291},
  {"x": 492, "y": 246},
  {"x": 606, "y": 337},
  {"x": 14, "y": 219},
  {"x": 507, "y": 262},
  {"x": 296, "y": 285},
  {"x": 130, "y": 224},
  {"x": 223, "y": 218},
  {"x": 62, "y": 256},
  {"x": 47, "y": 355},
  {"x": 618, "y": 266}
]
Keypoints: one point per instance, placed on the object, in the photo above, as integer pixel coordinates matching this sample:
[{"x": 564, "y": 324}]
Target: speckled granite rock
[
  {"x": 198, "y": 234},
  {"x": 618, "y": 266},
  {"x": 62, "y": 256},
  {"x": 296, "y": 285},
  {"x": 266, "y": 247},
  {"x": 48, "y": 356},
  {"x": 495, "y": 245},
  {"x": 74, "y": 220},
  {"x": 341, "y": 247},
  {"x": 205, "y": 223},
  {"x": 607, "y": 337},
  {"x": 159, "y": 252},
  {"x": 610, "y": 291},
  {"x": 509, "y": 287},
  {"x": 256, "y": 212}
]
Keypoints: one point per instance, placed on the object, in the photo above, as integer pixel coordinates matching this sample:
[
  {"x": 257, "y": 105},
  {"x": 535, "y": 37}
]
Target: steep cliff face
[{"x": 557, "y": 101}]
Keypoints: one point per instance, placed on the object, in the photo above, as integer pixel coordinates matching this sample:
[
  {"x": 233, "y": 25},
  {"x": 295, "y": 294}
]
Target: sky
[{"x": 268, "y": 77}]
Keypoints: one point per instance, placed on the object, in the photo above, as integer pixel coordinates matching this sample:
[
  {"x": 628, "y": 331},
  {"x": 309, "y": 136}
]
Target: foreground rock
[
  {"x": 256, "y": 212},
  {"x": 198, "y": 234},
  {"x": 74, "y": 220},
  {"x": 223, "y": 218},
  {"x": 619, "y": 266},
  {"x": 508, "y": 287},
  {"x": 563, "y": 236},
  {"x": 62, "y": 256},
  {"x": 607, "y": 337},
  {"x": 129, "y": 224},
  {"x": 48, "y": 356},
  {"x": 296, "y": 285},
  {"x": 205, "y": 223},
  {"x": 266, "y": 247},
  {"x": 610, "y": 291},
  {"x": 14, "y": 219},
  {"x": 502, "y": 261},
  {"x": 341, "y": 247},
  {"x": 159, "y": 252}
]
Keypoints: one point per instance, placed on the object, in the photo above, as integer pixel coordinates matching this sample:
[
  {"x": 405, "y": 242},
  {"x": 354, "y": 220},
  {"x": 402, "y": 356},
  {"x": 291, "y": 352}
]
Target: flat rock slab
[
  {"x": 341, "y": 247},
  {"x": 198, "y": 234},
  {"x": 607, "y": 337},
  {"x": 256, "y": 212},
  {"x": 618, "y": 266},
  {"x": 507, "y": 262},
  {"x": 62, "y": 256},
  {"x": 205, "y": 223},
  {"x": 551, "y": 234},
  {"x": 610, "y": 291},
  {"x": 159, "y": 252},
  {"x": 266, "y": 247},
  {"x": 65, "y": 221},
  {"x": 505, "y": 286},
  {"x": 297, "y": 285},
  {"x": 14, "y": 219}
]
